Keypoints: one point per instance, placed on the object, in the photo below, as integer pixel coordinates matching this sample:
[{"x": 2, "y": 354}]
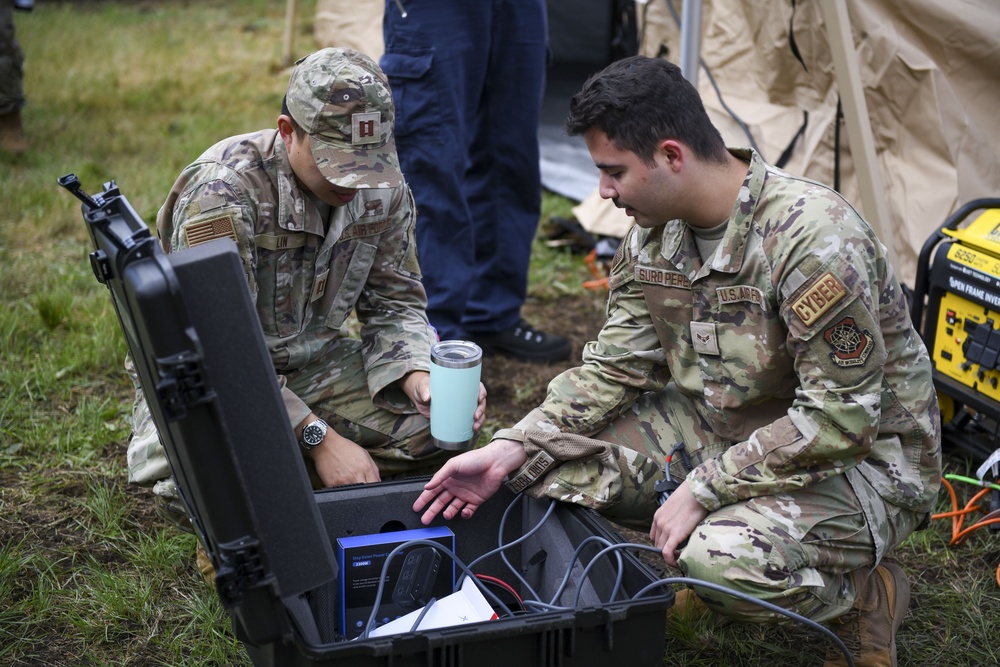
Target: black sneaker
[{"x": 525, "y": 343}]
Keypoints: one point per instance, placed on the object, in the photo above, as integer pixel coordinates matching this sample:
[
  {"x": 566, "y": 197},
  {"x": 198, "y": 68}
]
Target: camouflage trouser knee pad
[{"x": 637, "y": 505}]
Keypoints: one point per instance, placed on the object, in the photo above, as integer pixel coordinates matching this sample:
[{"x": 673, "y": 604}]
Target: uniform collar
[
  {"x": 729, "y": 257},
  {"x": 296, "y": 210},
  {"x": 678, "y": 241}
]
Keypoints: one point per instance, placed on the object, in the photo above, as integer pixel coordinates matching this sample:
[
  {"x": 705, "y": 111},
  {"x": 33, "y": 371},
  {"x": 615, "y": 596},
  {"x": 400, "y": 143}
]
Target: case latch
[
  {"x": 240, "y": 567},
  {"x": 181, "y": 386}
]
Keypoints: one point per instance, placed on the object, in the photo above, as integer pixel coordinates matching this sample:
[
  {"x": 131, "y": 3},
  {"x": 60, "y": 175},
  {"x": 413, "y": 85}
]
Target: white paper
[{"x": 467, "y": 605}]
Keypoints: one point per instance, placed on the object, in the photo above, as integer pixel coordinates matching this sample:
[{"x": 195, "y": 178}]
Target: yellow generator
[{"x": 961, "y": 327}]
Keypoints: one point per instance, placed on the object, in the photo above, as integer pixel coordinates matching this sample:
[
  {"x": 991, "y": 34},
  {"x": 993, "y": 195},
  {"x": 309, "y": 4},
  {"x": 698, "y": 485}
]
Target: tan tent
[
  {"x": 351, "y": 23},
  {"x": 929, "y": 72}
]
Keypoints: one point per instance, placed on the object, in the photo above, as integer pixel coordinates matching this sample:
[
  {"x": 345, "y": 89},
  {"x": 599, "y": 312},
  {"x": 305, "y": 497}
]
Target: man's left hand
[{"x": 674, "y": 522}]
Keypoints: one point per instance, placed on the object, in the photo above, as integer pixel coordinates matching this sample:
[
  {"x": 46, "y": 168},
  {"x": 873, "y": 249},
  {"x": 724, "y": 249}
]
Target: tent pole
[
  {"x": 690, "y": 40},
  {"x": 286, "y": 57},
  {"x": 859, "y": 129}
]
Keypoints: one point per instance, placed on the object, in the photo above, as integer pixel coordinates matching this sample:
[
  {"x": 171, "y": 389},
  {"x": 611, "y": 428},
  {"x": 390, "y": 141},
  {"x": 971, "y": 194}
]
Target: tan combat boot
[
  {"x": 688, "y": 606},
  {"x": 204, "y": 564},
  {"x": 12, "y": 138},
  {"x": 869, "y": 628}
]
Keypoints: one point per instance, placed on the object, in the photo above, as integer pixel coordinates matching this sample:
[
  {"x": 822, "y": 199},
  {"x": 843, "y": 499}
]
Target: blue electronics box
[{"x": 361, "y": 558}]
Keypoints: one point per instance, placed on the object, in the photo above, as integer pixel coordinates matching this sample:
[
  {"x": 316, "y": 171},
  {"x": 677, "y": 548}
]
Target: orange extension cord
[
  {"x": 600, "y": 275},
  {"x": 958, "y": 532}
]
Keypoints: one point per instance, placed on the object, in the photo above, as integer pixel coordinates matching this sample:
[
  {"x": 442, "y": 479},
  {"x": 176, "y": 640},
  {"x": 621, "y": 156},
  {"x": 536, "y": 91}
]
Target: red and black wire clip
[{"x": 668, "y": 484}]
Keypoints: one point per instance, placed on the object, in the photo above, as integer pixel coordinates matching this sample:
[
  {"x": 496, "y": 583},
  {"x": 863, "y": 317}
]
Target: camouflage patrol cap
[{"x": 341, "y": 98}]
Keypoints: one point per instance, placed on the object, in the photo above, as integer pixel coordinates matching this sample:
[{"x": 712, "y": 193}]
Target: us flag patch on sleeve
[{"x": 209, "y": 229}]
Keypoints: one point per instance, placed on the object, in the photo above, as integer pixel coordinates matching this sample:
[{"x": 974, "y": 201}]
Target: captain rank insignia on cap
[{"x": 366, "y": 128}]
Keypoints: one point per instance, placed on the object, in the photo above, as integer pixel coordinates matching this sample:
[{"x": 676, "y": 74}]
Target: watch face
[{"x": 313, "y": 434}]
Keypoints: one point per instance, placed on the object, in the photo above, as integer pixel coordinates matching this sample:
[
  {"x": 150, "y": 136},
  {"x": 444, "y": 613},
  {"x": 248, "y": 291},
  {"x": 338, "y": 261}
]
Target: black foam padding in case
[{"x": 387, "y": 506}]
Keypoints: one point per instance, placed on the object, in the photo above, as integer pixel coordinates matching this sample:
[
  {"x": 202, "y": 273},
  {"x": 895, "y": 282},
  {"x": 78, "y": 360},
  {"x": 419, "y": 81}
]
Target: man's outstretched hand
[{"x": 468, "y": 480}]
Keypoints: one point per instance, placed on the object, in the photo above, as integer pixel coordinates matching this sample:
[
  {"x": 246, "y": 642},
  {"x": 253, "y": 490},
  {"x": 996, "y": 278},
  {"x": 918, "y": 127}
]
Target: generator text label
[{"x": 973, "y": 291}]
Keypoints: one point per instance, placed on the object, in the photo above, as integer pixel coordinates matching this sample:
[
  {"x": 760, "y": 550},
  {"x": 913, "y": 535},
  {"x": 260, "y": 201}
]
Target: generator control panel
[
  {"x": 962, "y": 328},
  {"x": 968, "y": 345}
]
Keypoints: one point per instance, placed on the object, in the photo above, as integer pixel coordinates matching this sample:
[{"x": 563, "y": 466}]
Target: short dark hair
[{"x": 637, "y": 102}]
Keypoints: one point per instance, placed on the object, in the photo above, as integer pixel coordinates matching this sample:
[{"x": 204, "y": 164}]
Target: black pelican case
[{"x": 191, "y": 329}]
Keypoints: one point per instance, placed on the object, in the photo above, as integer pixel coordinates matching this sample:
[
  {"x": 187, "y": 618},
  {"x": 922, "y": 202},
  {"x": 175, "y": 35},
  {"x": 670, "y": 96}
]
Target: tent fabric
[
  {"x": 355, "y": 24},
  {"x": 930, "y": 71}
]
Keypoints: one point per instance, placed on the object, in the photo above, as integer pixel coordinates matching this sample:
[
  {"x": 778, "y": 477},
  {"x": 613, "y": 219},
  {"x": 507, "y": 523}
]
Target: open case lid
[{"x": 199, "y": 351}]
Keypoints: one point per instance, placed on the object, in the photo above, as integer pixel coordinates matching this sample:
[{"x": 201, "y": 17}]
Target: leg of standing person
[
  {"x": 503, "y": 186},
  {"x": 464, "y": 148},
  {"x": 12, "y": 138},
  {"x": 435, "y": 59}
]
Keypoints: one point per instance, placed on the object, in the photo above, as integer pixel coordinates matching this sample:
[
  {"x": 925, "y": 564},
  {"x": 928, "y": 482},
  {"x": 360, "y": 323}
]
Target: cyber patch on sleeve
[{"x": 818, "y": 298}]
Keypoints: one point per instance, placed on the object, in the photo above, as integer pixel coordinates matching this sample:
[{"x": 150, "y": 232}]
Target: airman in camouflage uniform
[
  {"x": 325, "y": 227},
  {"x": 755, "y": 328}
]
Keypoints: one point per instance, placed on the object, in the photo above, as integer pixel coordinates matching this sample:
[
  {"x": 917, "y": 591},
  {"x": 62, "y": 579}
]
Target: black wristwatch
[{"x": 313, "y": 433}]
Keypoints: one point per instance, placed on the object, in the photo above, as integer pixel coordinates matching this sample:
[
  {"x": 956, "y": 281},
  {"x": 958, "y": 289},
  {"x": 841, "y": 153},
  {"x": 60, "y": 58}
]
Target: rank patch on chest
[
  {"x": 704, "y": 338},
  {"x": 818, "y": 298},
  {"x": 851, "y": 344},
  {"x": 373, "y": 209},
  {"x": 654, "y": 276},
  {"x": 319, "y": 285},
  {"x": 740, "y": 293}
]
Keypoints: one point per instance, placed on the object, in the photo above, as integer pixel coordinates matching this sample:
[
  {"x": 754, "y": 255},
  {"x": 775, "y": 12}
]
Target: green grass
[{"x": 133, "y": 91}]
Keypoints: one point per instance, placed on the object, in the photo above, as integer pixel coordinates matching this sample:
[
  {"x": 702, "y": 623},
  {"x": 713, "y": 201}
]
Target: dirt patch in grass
[{"x": 515, "y": 387}]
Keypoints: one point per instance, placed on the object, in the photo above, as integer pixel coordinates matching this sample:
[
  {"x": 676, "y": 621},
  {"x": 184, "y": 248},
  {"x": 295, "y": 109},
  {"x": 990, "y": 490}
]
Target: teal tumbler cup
[{"x": 456, "y": 366}]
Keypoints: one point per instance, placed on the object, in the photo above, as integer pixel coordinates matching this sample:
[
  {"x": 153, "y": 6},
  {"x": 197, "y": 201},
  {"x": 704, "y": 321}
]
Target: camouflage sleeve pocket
[
  {"x": 350, "y": 285},
  {"x": 406, "y": 262}
]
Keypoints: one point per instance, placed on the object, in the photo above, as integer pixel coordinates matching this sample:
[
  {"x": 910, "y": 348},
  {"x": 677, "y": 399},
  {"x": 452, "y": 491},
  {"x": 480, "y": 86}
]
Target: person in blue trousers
[{"x": 467, "y": 79}]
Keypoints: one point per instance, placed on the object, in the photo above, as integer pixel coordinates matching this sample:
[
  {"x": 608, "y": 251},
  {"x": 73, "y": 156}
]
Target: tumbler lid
[{"x": 456, "y": 354}]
